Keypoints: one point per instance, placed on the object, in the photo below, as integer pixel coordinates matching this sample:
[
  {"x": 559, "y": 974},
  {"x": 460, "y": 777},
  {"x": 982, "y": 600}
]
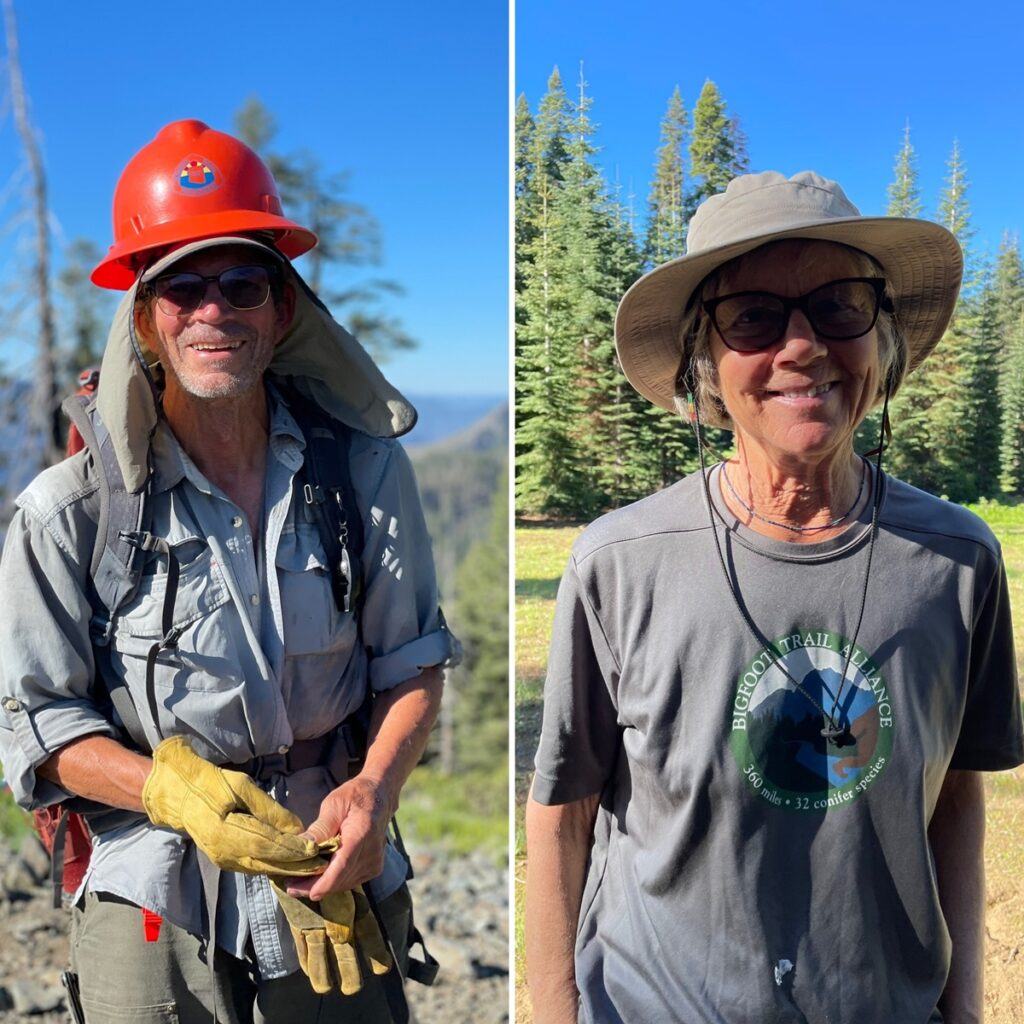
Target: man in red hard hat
[{"x": 222, "y": 642}]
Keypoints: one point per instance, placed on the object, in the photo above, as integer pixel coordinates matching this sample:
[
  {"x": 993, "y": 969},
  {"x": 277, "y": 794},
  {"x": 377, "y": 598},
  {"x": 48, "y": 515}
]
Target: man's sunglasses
[
  {"x": 838, "y": 311},
  {"x": 246, "y": 287}
]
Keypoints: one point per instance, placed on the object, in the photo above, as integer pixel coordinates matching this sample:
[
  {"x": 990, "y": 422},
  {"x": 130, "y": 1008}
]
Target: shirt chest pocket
[
  {"x": 312, "y": 622},
  {"x": 202, "y": 623}
]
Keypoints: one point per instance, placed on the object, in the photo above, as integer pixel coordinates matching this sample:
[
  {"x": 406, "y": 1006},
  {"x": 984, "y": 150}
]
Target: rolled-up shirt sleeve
[
  {"x": 46, "y": 661},
  {"x": 404, "y": 629}
]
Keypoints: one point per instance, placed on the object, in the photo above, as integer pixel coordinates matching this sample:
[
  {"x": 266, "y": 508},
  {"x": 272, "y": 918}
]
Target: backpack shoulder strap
[
  {"x": 327, "y": 488},
  {"x": 116, "y": 563}
]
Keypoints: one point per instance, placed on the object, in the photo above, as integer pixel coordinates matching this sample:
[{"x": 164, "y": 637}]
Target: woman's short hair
[{"x": 696, "y": 327}]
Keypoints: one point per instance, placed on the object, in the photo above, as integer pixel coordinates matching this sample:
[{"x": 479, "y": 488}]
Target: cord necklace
[{"x": 799, "y": 529}]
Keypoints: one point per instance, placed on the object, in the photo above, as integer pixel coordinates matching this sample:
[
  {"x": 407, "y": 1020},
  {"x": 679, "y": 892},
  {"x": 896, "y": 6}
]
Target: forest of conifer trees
[{"x": 586, "y": 442}]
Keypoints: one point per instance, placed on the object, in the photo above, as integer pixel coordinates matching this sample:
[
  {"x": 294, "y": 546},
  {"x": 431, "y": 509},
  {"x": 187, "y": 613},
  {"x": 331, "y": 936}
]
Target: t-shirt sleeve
[
  {"x": 580, "y": 736},
  {"x": 991, "y": 733}
]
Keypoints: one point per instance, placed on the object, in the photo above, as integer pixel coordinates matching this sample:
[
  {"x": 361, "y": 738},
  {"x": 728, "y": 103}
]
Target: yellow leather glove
[
  {"x": 326, "y": 935},
  {"x": 236, "y": 824}
]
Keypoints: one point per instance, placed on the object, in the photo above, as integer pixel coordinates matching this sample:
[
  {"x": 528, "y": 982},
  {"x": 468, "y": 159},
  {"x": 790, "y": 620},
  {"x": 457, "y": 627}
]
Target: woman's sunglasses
[
  {"x": 838, "y": 311},
  {"x": 246, "y": 287}
]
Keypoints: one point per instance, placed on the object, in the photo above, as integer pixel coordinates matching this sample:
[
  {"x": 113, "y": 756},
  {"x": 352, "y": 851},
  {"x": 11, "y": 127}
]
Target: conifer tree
[
  {"x": 965, "y": 414},
  {"x": 591, "y": 294},
  {"x": 948, "y": 414},
  {"x": 480, "y": 619},
  {"x": 1011, "y": 446},
  {"x": 523, "y": 186},
  {"x": 86, "y": 309},
  {"x": 1009, "y": 282},
  {"x": 979, "y": 379},
  {"x": 540, "y": 156},
  {"x": 717, "y": 146},
  {"x": 624, "y": 476},
  {"x": 550, "y": 475},
  {"x": 669, "y": 451},
  {"x": 666, "y": 219},
  {"x": 349, "y": 235},
  {"x": 904, "y": 194},
  {"x": 1008, "y": 288},
  {"x": 954, "y": 213}
]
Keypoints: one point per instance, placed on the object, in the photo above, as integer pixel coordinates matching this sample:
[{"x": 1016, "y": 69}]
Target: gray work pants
[{"x": 124, "y": 979}]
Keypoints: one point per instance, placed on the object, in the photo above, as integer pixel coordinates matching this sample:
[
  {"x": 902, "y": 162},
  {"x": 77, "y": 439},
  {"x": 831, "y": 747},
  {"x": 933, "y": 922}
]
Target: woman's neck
[{"x": 794, "y": 500}]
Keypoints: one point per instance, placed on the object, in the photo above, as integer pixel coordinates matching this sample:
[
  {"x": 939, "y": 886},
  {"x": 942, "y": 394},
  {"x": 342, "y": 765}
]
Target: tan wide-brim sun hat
[{"x": 922, "y": 261}]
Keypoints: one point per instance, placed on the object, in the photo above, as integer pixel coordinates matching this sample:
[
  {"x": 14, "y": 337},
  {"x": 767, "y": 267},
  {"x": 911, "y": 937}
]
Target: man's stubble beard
[{"x": 223, "y": 384}]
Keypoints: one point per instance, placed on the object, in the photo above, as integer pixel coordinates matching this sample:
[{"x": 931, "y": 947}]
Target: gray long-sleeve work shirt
[{"x": 264, "y": 658}]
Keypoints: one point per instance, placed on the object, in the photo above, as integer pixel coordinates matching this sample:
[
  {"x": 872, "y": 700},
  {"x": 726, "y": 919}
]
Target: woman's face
[{"x": 802, "y": 398}]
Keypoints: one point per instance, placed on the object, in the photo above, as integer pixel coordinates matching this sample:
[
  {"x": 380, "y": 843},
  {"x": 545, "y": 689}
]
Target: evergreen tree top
[
  {"x": 717, "y": 146},
  {"x": 523, "y": 114},
  {"x": 550, "y": 128},
  {"x": 954, "y": 208},
  {"x": 666, "y": 222},
  {"x": 904, "y": 194}
]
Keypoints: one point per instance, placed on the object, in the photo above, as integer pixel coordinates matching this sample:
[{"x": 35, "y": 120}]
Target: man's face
[{"x": 216, "y": 351}]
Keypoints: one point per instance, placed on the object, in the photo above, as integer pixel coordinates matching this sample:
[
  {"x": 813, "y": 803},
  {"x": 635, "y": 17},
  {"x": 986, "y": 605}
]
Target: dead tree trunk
[{"x": 45, "y": 407}]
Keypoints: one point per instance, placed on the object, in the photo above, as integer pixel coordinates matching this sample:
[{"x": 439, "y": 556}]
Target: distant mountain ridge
[
  {"x": 486, "y": 434},
  {"x": 457, "y": 478},
  {"x": 441, "y": 416}
]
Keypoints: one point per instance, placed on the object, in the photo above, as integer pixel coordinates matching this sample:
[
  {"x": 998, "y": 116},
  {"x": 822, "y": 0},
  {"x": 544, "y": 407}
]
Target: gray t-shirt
[{"x": 744, "y": 869}]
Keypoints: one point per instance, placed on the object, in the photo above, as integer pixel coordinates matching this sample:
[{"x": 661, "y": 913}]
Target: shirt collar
[{"x": 171, "y": 464}]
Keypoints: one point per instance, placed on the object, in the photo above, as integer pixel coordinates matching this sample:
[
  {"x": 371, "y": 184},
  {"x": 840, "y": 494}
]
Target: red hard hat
[{"x": 192, "y": 182}]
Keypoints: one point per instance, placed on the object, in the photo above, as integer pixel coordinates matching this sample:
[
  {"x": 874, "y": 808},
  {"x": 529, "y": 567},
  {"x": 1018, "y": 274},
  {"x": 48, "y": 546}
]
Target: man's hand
[{"x": 358, "y": 813}]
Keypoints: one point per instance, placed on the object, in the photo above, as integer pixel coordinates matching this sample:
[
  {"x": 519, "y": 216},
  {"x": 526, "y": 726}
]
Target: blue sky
[
  {"x": 410, "y": 98},
  {"x": 825, "y": 86}
]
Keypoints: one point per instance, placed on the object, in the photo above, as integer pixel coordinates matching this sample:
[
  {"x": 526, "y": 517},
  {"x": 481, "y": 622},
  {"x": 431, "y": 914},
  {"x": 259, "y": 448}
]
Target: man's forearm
[
  {"x": 402, "y": 719},
  {"x": 101, "y": 769},
  {"x": 957, "y": 838},
  {"x": 359, "y": 810},
  {"x": 558, "y": 843}
]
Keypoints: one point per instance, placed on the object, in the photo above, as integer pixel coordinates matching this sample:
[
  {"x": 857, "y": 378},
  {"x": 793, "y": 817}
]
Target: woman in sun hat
[{"x": 772, "y": 685}]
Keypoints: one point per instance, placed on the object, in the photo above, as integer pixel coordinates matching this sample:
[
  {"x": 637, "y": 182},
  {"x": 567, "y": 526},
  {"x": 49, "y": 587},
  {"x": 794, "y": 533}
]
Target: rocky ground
[{"x": 461, "y": 907}]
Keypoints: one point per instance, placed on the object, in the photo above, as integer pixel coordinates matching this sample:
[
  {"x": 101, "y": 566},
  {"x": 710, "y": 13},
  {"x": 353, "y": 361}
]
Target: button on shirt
[{"x": 264, "y": 658}]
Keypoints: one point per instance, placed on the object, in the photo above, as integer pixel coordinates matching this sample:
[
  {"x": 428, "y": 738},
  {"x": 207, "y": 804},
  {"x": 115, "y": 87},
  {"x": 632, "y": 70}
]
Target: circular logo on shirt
[{"x": 777, "y": 726}]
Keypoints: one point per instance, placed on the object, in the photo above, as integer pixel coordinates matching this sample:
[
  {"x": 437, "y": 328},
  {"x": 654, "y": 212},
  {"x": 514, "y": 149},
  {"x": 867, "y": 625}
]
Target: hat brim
[
  {"x": 118, "y": 269},
  {"x": 169, "y": 259},
  {"x": 922, "y": 261}
]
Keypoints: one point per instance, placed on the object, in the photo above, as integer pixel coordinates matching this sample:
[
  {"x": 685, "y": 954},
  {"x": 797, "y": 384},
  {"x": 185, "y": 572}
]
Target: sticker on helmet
[{"x": 196, "y": 176}]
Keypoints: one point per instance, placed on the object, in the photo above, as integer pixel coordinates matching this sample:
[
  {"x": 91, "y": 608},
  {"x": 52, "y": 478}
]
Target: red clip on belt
[{"x": 151, "y": 925}]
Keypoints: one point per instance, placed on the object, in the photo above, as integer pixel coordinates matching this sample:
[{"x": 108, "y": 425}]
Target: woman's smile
[{"x": 803, "y": 396}]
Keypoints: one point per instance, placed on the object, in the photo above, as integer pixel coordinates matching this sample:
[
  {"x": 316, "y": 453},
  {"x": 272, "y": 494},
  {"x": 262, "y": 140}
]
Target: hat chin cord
[{"x": 834, "y": 730}]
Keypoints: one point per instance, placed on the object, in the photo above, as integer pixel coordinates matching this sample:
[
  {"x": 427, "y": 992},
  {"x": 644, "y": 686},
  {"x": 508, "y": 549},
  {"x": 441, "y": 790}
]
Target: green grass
[
  {"x": 14, "y": 822},
  {"x": 1007, "y": 523},
  {"x": 459, "y": 813},
  {"x": 541, "y": 555}
]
